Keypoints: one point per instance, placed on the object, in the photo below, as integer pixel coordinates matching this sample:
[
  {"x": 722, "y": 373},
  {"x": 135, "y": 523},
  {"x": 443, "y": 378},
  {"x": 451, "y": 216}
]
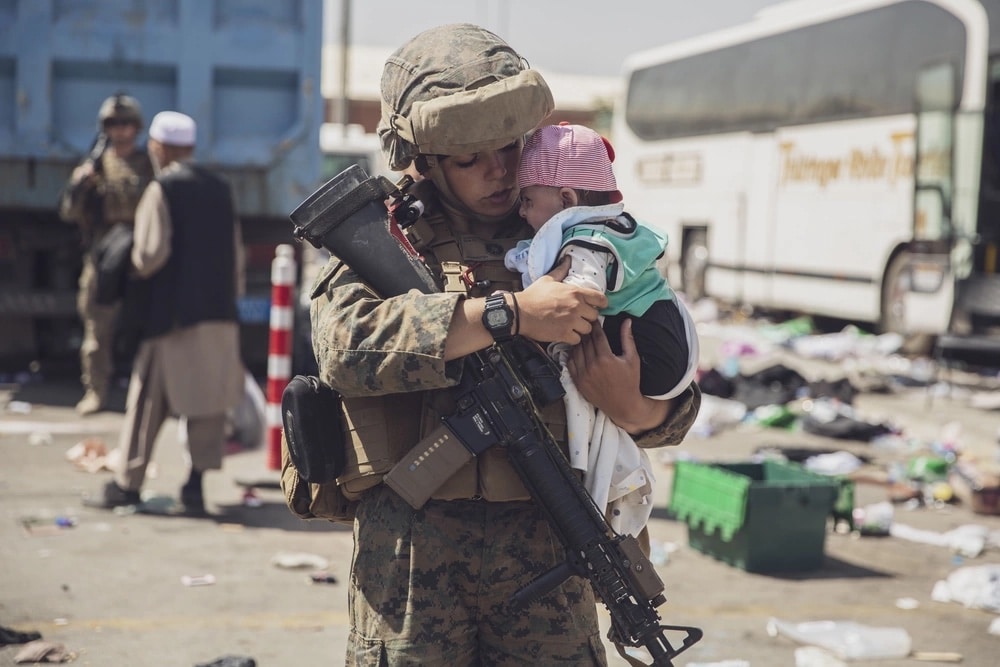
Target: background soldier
[{"x": 101, "y": 192}]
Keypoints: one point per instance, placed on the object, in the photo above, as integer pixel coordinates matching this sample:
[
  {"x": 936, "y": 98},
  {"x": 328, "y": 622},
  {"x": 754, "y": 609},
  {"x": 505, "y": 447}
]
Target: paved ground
[{"x": 109, "y": 587}]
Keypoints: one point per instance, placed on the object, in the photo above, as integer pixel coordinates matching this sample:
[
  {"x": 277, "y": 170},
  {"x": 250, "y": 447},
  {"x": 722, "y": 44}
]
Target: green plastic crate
[{"x": 760, "y": 517}]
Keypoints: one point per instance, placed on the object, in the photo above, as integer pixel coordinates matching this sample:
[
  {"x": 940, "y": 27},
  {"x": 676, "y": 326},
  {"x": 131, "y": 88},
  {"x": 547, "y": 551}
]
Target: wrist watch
[{"x": 498, "y": 318}]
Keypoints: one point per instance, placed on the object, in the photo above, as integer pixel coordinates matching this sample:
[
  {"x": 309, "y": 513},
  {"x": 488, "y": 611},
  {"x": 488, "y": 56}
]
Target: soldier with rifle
[
  {"x": 434, "y": 585},
  {"x": 102, "y": 192}
]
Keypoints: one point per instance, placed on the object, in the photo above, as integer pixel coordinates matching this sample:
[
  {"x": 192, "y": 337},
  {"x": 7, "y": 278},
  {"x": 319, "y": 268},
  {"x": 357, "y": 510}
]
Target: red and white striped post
[{"x": 279, "y": 354}]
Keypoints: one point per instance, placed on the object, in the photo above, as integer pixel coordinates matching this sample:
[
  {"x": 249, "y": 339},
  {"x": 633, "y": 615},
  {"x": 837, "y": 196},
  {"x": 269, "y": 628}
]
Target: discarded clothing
[
  {"x": 841, "y": 389},
  {"x": 833, "y": 419},
  {"x": 714, "y": 383},
  {"x": 43, "y": 651},
  {"x": 844, "y": 428},
  {"x": 774, "y": 385},
  {"x": 230, "y": 661},
  {"x": 9, "y": 636}
]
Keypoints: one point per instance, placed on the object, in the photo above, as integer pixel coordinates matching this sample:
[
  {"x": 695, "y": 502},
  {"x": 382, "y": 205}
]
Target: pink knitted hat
[{"x": 568, "y": 156}]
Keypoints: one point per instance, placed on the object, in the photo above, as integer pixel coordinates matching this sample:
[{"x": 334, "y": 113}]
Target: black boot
[
  {"x": 113, "y": 496},
  {"x": 192, "y": 498}
]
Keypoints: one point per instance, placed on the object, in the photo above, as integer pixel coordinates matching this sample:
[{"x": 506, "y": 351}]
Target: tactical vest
[
  {"x": 384, "y": 428},
  {"x": 123, "y": 181}
]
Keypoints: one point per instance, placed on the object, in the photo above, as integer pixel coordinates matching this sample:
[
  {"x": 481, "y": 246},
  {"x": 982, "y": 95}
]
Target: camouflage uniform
[
  {"x": 119, "y": 185},
  {"x": 431, "y": 586}
]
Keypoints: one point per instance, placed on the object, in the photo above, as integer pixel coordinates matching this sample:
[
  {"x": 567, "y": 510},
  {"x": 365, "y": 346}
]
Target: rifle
[
  {"x": 497, "y": 398},
  {"x": 93, "y": 205}
]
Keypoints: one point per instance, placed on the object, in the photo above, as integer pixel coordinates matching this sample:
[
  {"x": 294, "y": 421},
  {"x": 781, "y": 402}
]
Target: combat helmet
[
  {"x": 457, "y": 89},
  {"x": 120, "y": 107}
]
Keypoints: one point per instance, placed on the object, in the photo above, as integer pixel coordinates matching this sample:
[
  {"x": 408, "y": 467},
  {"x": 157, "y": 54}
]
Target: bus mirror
[
  {"x": 930, "y": 216},
  {"x": 936, "y": 88}
]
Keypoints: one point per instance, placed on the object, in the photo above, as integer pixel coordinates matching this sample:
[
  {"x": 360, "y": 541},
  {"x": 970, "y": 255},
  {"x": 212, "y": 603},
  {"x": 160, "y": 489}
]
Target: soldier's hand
[
  {"x": 84, "y": 172},
  {"x": 553, "y": 311},
  {"x": 610, "y": 382}
]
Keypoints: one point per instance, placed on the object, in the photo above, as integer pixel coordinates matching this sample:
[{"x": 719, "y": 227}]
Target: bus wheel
[
  {"x": 893, "y": 312},
  {"x": 694, "y": 263}
]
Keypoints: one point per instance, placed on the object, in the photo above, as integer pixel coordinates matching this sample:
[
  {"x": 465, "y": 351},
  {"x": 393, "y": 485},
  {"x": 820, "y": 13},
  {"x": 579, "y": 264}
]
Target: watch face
[{"x": 497, "y": 317}]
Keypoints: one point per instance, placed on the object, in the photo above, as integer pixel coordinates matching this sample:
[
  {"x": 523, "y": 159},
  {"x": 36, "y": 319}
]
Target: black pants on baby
[{"x": 660, "y": 341}]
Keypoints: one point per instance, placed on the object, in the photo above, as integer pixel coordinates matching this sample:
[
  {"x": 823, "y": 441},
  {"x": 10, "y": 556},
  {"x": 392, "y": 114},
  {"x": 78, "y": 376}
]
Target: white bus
[{"x": 834, "y": 158}]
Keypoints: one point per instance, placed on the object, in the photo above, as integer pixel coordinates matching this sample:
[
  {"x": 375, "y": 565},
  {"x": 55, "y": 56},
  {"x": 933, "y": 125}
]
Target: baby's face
[{"x": 539, "y": 203}]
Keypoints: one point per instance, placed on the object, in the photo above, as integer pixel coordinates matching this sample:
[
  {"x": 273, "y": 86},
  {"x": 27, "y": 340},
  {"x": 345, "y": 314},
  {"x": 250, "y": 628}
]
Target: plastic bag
[
  {"x": 248, "y": 420},
  {"x": 847, "y": 640}
]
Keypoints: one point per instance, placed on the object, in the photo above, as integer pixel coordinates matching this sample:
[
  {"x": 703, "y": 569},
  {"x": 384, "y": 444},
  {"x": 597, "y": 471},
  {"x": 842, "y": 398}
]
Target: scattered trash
[
  {"x": 230, "y": 661},
  {"x": 659, "y": 552},
  {"x": 198, "y": 580},
  {"x": 834, "y": 463},
  {"x": 788, "y": 330},
  {"x": 849, "y": 342},
  {"x": 937, "y": 656},
  {"x": 251, "y": 499},
  {"x": 994, "y": 628},
  {"x": 775, "y": 416},
  {"x": 927, "y": 469},
  {"x": 248, "y": 420},
  {"x": 874, "y": 520},
  {"x": 774, "y": 385},
  {"x": 43, "y": 526},
  {"x": 299, "y": 561},
  {"x": 975, "y": 587},
  {"x": 847, "y": 640},
  {"x": 43, "y": 651},
  {"x": 322, "y": 578},
  {"x": 89, "y": 455},
  {"x": 814, "y": 656},
  {"x": 968, "y": 541},
  {"x": 985, "y": 400},
  {"x": 907, "y": 603},
  {"x": 833, "y": 419},
  {"x": 40, "y": 438},
  {"x": 19, "y": 407},
  {"x": 717, "y": 414},
  {"x": 976, "y": 487}
]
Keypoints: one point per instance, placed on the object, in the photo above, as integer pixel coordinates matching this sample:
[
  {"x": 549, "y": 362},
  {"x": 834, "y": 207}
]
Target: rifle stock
[{"x": 497, "y": 398}]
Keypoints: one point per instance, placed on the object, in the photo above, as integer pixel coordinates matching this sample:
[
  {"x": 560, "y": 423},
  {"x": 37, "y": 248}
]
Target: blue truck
[{"x": 248, "y": 71}]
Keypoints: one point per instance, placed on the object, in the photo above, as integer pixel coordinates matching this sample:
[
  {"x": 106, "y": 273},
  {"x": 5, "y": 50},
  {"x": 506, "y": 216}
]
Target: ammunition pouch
[
  {"x": 311, "y": 419},
  {"x": 333, "y": 449},
  {"x": 312, "y": 450},
  {"x": 312, "y": 501}
]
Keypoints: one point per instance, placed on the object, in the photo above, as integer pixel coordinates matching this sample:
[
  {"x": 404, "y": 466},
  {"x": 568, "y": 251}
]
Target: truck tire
[{"x": 892, "y": 316}]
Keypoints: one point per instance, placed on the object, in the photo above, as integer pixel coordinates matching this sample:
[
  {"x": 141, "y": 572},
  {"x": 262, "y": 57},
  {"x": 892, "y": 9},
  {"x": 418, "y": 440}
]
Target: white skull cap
[{"x": 173, "y": 128}]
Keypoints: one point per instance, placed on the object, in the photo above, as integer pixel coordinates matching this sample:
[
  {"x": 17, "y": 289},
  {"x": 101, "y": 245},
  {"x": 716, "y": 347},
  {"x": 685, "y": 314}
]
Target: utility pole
[{"x": 343, "y": 107}]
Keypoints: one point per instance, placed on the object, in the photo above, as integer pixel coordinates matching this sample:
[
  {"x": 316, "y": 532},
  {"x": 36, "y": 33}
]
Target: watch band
[{"x": 498, "y": 318}]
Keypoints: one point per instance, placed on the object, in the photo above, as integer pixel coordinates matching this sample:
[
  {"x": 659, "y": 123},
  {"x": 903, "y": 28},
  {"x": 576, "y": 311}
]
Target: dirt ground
[{"x": 109, "y": 586}]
